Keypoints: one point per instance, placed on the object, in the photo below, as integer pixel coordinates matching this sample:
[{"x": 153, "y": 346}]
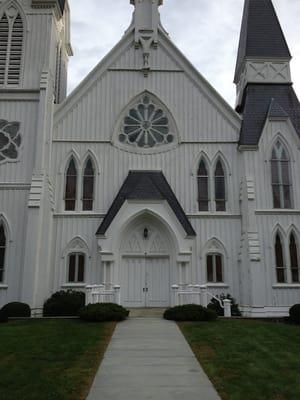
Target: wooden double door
[{"x": 146, "y": 281}]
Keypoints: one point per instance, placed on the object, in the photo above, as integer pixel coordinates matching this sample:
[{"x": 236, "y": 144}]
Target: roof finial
[{"x": 146, "y": 21}]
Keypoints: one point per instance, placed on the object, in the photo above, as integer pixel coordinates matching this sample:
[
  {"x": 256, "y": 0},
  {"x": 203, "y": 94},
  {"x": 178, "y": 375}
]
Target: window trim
[
  {"x": 89, "y": 158},
  {"x": 279, "y": 170},
  {"x": 72, "y": 158},
  {"x": 219, "y": 160},
  {"x": 207, "y": 176},
  {"x": 11, "y": 22}
]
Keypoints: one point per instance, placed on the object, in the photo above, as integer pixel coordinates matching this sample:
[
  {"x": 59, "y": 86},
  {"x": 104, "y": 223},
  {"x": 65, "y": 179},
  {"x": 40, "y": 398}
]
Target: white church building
[{"x": 144, "y": 177}]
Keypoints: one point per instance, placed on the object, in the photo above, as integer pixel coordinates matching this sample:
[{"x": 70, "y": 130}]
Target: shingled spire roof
[
  {"x": 62, "y": 5},
  {"x": 261, "y": 34}
]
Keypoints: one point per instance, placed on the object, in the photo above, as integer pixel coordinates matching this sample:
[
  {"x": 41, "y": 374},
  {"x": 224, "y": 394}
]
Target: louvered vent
[
  {"x": 4, "y": 34},
  {"x": 15, "y": 56}
]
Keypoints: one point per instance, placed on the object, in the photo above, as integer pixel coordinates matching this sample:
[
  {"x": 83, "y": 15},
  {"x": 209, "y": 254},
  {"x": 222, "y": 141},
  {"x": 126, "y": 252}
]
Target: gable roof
[
  {"x": 146, "y": 185},
  {"x": 166, "y": 43},
  {"x": 262, "y": 101},
  {"x": 261, "y": 34}
]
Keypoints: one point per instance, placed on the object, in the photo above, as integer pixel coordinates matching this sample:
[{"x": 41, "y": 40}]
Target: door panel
[
  {"x": 158, "y": 282},
  {"x": 133, "y": 278}
]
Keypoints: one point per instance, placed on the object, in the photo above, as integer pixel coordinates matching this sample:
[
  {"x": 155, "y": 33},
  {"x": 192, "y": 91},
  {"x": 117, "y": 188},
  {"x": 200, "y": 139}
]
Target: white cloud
[{"x": 206, "y": 31}]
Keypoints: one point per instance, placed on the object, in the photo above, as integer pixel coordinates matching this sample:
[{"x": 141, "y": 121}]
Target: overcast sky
[{"x": 206, "y": 31}]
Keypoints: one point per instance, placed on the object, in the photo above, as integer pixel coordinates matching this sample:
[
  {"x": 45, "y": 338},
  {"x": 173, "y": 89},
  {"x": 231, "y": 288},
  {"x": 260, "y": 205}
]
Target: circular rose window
[{"x": 146, "y": 125}]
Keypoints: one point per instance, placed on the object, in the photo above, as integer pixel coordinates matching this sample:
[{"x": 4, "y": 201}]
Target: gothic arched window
[
  {"x": 11, "y": 46},
  {"x": 88, "y": 186},
  {"x": 76, "y": 267},
  {"x": 294, "y": 259},
  {"x": 281, "y": 179},
  {"x": 220, "y": 187},
  {"x": 71, "y": 186},
  {"x": 280, "y": 263},
  {"x": 214, "y": 268},
  {"x": 2, "y": 252},
  {"x": 203, "y": 187}
]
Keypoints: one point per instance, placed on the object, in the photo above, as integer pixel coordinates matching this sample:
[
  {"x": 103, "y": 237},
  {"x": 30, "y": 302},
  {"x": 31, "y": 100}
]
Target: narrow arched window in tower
[
  {"x": 281, "y": 179},
  {"x": 203, "y": 194},
  {"x": 220, "y": 189},
  {"x": 71, "y": 186},
  {"x": 294, "y": 259},
  {"x": 88, "y": 186},
  {"x": 279, "y": 257},
  {"x": 214, "y": 268},
  {"x": 11, "y": 47},
  {"x": 2, "y": 252},
  {"x": 4, "y": 34}
]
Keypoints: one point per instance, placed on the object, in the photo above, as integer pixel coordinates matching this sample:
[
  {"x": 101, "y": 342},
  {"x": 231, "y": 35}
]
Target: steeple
[
  {"x": 146, "y": 23},
  {"x": 263, "y": 55}
]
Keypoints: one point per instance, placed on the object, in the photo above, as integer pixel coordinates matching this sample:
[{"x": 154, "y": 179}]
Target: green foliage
[
  {"x": 190, "y": 312},
  {"x": 3, "y": 316},
  {"x": 17, "y": 310},
  {"x": 64, "y": 304},
  {"x": 216, "y": 306},
  {"x": 50, "y": 359},
  {"x": 295, "y": 314},
  {"x": 248, "y": 359},
  {"x": 103, "y": 312}
]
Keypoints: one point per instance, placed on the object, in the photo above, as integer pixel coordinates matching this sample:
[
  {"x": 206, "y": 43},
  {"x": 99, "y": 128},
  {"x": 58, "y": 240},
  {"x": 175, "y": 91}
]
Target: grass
[
  {"x": 248, "y": 360},
  {"x": 51, "y": 359}
]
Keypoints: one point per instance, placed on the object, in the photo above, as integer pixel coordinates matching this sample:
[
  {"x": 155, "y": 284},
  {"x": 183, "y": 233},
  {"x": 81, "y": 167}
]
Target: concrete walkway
[{"x": 150, "y": 359}]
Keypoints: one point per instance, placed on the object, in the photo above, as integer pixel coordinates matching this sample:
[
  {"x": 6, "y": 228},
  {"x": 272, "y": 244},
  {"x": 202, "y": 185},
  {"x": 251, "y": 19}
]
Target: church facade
[{"x": 144, "y": 177}]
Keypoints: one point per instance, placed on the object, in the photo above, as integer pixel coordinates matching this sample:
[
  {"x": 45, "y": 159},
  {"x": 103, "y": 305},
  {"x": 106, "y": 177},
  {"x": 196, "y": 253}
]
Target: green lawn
[
  {"x": 51, "y": 359},
  {"x": 248, "y": 360}
]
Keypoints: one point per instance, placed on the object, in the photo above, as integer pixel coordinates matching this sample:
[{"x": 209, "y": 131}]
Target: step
[{"x": 146, "y": 312}]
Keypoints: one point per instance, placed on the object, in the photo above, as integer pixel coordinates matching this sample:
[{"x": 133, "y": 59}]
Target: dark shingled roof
[
  {"x": 146, "y": 185},
  {"x": 262, "y": 101},
  {"x": 62, "y": 5},
  {"x": 261, "y": 34}
]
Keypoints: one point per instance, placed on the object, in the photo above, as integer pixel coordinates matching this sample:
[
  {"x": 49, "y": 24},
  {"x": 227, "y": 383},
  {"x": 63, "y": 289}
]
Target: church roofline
[{"x": 261, "y": 35}]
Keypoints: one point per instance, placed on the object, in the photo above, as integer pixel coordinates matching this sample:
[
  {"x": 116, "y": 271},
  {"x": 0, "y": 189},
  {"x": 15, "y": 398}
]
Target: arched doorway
[{"x": 145, "y": 259}]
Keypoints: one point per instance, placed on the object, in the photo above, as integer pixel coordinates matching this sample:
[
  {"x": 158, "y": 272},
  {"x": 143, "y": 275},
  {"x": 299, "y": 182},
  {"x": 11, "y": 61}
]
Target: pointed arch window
[
  {"x": 11, "y": 47},
  {"x": 220, "y": 187},
  {"x": 214, "y": 268},
  {"x": 3, "y": 241},
  {"x": 88, "y": 186},
  {"x": 294, "y": 259},
  {"x": 71, "y": 186},
  {"x": 281, "y": 177},
  {"x": 203, "y": 187},
  {"x": 76, "y": 268},
  {"x": 280, "y": 263}
]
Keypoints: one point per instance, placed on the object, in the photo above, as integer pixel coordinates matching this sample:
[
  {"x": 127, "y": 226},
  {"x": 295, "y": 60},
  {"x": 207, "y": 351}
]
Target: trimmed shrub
[
  {"x": 64, "y": 304},
  {"x": 295, "y": 314},
  {"x": 17, "y": 310},
  {"x": 101, "y": 312},
  {"x": 3, "y": 316},
  {"x": 190, "y": 312},
  {"x": 216, "y": 306}
]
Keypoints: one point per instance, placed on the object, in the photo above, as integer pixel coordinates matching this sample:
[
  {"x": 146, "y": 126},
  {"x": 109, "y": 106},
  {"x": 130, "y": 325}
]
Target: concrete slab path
[{"x": 150, "y": 359}]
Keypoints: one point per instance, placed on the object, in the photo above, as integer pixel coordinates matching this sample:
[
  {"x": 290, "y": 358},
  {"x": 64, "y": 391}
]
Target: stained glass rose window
[
  {"x": 146, "y": 125},
  {"x": 10, "y": 141}
]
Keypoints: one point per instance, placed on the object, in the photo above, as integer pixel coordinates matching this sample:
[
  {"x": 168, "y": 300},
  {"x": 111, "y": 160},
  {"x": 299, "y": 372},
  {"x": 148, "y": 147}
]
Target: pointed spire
[{"x": 261, "y": 35}]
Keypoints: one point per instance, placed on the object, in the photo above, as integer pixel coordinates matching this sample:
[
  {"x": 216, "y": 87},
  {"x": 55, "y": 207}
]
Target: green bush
[
  {"x": 216, "y": 306},
  {"x": 17, "y": 310},
  {"x": 190, "y": 312},
  {"x": 103, "y": 312},
  {"x": 64, "y": 304},
  {"x": 3, "y": 316},
  {"x": 295, "y": 314}
]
